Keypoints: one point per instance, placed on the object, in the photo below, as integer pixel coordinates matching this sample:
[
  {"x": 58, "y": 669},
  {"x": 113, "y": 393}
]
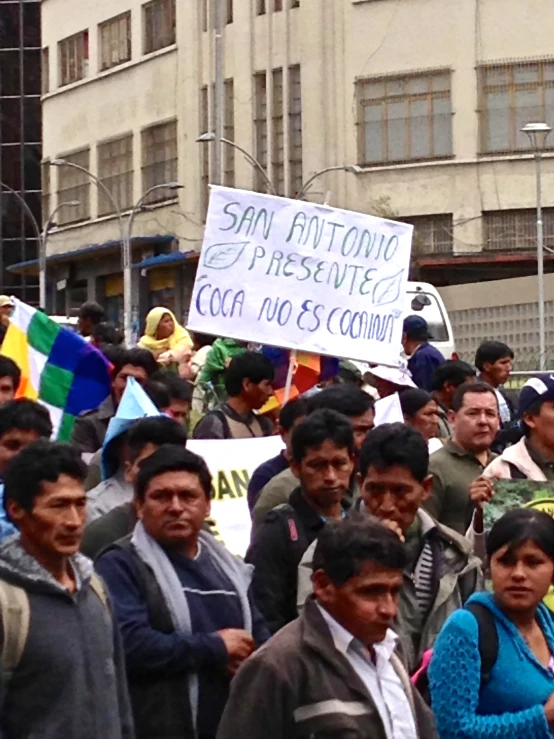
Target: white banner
[
  {"x": 232, "y": 462},
  {"x": 302, "y": 276}
]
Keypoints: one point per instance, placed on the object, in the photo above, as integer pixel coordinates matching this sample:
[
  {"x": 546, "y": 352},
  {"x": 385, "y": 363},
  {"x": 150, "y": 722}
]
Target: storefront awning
[
  {"x": 166, "y": 260},
  {"x": 90, "y": 251}
]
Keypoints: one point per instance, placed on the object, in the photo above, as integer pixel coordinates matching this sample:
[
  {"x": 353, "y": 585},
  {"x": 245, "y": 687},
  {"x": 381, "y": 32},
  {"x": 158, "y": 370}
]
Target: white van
[{"x": 423, "y": 299}]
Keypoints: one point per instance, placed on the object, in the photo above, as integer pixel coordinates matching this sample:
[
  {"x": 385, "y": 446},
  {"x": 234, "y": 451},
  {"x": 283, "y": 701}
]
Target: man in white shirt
[{"x": 335, "y": 670}]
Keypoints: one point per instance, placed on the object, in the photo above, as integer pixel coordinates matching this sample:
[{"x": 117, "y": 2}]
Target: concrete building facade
[{"x": 427, "y": 98}]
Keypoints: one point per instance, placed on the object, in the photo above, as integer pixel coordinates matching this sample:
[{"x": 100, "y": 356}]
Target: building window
[
  {"x": 74, "y": 185},
  {"x": 294, "y": 3},
  {"x": 73, "y": 58},
  {"x": 295, "y": 131},
  {"x": 45, "y": 71},
  {"x": 512, "y": 95},
  {"x": 46, "y": 198},
  {"x": 229, "y": 17},
  {"x": 159, "y": 159},
  {"x": 229, "y": 133},
  {"x": 260, "y": 125},
  {"x": 204, "y": 15},
  {"x": 115, "y": 41},
  {"x": 278, "y": 143},
  {"x": 159, "y": 25},
  {"x": 432, "y": 234},
  {"x": 516, "y": 230},
  {"x": 115, "y": 170},
  {"x": 402, "y": 119},
  {"x": 277, "y": 5},
  {"x": 261, "y": 9},
  {"x": 204, "y": 153}
]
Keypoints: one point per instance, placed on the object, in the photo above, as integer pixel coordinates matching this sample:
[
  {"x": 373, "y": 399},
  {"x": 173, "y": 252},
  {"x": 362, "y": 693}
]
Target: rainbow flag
[{"x": 58, "y": 367}]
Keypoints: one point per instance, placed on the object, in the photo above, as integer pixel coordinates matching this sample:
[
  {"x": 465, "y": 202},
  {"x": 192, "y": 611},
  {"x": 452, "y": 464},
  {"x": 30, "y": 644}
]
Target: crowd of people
[{"x": 361, "y": 607}]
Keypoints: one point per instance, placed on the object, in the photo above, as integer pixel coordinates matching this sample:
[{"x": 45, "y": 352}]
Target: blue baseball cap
[
  {"x": 416, "y": 327},
  {"x": 540, "y": 387}
]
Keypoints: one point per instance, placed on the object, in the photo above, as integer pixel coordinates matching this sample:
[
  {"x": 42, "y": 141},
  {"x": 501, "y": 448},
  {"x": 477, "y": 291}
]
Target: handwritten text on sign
[{"x": 302, "y": 276}]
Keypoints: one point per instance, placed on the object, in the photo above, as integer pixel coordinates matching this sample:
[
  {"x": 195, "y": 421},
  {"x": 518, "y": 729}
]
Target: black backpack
[{"x": 488, "y": 648}]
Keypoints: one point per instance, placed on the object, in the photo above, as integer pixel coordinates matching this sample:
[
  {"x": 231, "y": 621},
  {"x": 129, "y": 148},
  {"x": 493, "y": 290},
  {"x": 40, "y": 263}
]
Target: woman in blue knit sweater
[{"x": 517, "y": 701}]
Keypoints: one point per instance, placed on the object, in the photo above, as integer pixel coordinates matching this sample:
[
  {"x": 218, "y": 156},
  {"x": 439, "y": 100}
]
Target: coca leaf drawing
[
  {"x": 387, "y": 290},
  {"x": 223, "y": 256}
]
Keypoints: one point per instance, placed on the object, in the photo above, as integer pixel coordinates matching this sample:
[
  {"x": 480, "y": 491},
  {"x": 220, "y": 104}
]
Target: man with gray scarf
[{"x": 182, "y": 602}]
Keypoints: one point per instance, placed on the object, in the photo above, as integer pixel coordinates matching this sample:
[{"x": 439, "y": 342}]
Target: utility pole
[{"x": 219, "y": 97}]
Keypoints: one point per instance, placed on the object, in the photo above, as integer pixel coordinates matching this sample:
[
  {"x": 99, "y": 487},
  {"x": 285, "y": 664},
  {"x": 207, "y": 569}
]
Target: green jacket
[
  {"x": 217, "y": 361},
  {"x": 458, "y": 576}
]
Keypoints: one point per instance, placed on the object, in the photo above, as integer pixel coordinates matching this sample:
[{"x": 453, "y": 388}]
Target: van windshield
[{"x": 429, "y": 308}]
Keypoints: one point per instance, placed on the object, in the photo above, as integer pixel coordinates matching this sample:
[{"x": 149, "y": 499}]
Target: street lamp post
[
  {"x": 43, "y": 249},
  {"x": 209, "y": 137},
  {"x": 538, "y": 133},
  {"x": 29, "y": 213},
  {"x": 351, "y": 168},
  {"x": 125, "y": 236}
]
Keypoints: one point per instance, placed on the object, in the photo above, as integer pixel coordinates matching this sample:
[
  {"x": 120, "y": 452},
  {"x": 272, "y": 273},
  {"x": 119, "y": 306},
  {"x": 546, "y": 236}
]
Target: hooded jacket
[
  {"x": 70, "y": 681},
  {"x": 458, "y": 575},
  {"x": 515, "y": 456}
]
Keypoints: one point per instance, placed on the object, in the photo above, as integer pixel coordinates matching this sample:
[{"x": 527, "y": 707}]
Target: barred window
[
  {"x": 433, "y": 234},
  {"x": 159, "y": 24},
  {"x": 73, "y": 58},
  {"x": 295, "y": 131},
  {"x": 74, "y": 185},
  {"x": 159, "y": 159},
  {"x": 115, "y": 41},
  {"x": 115, "y": 170},
  {"x": 278, "y": 148},
  {"x": 402, "y": 119},
  {"x": 510, "y": 96},
  {"x": 260, "y": 125},
  {"x": 229, "y": 133},
  {"x": 516, "y": 230}
]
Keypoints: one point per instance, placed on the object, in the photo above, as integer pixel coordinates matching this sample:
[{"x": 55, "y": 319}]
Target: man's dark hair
[
  {"x": 177, "y": 388},
  {"x": 24, "y": 414},
  {"x": 344, "y": 547},
  {"x": 321, "y": 426},
  {"x": 455, "y": 372},
  {"x": 291, "y": 412},
  {"x": 395, "y": 445},
  {"x": 349, "y": 400},
  {"x": 469, "y": 387},
  {"x": 41, "y": 461},
  {"x": 491, "y": 352},
  {"x": 158, "y": 394},
  {"x": 251, "y": 366},
  {"x": 107, "y": 334},
  {"x": 8, "y": 368},
  {"x": 170, "y": 458},
  {"x": 135, "y": 357},
  {"x": 159, "y": 431},
  {"x": 201, "y": 340},
  {"x": 92, "y": 311}
]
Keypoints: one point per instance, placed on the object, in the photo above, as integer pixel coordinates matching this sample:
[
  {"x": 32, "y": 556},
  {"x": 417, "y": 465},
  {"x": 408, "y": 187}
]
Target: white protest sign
[
  {"x": 302, "y": 276},
  {"x": 232, "y": 462},
  {"x": 388, "y": 410}
]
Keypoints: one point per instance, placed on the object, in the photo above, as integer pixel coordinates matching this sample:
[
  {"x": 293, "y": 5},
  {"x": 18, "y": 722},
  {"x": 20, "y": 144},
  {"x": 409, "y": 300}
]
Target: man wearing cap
[
  {"x": 6, "y": 308},
  {"x": 423, "y": 358},
  {"x": 532, "y": 458}
]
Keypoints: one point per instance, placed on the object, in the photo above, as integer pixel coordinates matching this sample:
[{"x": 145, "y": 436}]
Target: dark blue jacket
[
  {"x": 423, "y": 363},
  {"x": 159, "y": 659}
]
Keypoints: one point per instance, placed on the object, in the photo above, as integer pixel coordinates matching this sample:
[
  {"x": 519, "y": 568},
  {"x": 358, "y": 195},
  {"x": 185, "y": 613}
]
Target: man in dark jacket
[
  {"x": 67, "y": 676},
  {"x": 334, "y": 672},
  {"x": 423, "y": 358},
  {"x": 323, "y": 462},
  {"x": 182, "y": 602},
  {"x": 90, "y": 428}
]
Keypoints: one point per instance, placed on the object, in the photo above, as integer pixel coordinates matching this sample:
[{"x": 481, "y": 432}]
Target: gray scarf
[{"x": 238, "y": 573}]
